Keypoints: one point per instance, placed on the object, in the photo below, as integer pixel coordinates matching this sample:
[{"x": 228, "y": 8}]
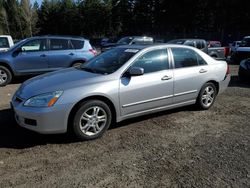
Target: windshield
[
  {"x": 4, "y": 42},
  {"x": 110, "y": 61},
  {"x": 16, "y": 44},
  {"x": 125, "y": 40},
  {"x": 178, "y": 41},
  {"x": 245, "y": 42}
]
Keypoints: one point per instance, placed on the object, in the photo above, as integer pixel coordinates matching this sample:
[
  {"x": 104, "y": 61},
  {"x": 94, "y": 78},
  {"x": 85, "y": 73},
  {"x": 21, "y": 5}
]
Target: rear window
[
  {"x": 4, "y": 42},
  {"x": 77, "y": 44}
]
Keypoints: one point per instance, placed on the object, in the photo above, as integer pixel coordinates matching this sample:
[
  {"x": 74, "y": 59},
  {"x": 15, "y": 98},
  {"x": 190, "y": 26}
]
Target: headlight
[{"x": 44, "y": 100}]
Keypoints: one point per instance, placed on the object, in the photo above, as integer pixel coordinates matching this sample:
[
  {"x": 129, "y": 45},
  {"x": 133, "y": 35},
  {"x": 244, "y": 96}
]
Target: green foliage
[{"x": 98, "y": 18}]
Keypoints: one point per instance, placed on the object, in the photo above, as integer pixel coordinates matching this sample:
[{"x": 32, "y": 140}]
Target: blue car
[{"x": 42, "y": 54}]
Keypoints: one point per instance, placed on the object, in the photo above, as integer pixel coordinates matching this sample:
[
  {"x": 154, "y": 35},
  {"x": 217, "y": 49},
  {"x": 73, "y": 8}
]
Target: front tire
[
  {"x": 206, "y": 96},
  {"x": 91, "y": 120},
  {"x": 5, "y": 76}
]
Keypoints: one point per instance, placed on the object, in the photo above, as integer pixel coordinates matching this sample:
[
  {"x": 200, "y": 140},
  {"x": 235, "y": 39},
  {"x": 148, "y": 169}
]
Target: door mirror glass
[
  {"x": 136, "y": 71},
  {"x": 17, "y": 51}
]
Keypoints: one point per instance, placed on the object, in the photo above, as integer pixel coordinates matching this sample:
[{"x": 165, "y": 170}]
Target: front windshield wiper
[{"x": 88, "y": 69}]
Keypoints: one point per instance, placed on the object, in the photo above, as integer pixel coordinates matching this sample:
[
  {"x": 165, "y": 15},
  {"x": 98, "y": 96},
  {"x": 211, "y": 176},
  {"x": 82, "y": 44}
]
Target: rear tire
[
  {"x": 206, "y": 97},
  {"x": 5, "y": 76},
  {"x": 77, "y": 64},
  {"x": 91, "y": 120}
]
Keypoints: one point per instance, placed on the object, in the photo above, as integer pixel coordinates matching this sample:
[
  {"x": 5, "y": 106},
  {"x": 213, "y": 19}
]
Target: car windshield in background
[
  {"x": 125, "y": 40},
  {"x": 110, "y": 61},
  {"x": 4, "y": 42},
  {"x": 245, "y": 42},
  {"x": 176, "y": 42}
]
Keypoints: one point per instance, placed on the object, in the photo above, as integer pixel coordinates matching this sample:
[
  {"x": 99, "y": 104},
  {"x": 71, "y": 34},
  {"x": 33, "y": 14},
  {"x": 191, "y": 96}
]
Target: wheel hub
[{"x": 93, "y": 120}]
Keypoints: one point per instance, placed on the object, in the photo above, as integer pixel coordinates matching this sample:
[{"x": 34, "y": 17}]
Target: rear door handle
[
  {"x": 203, "y": 71},
  {"x": 71, "y": 54},
  {"x": 43, "y": 55},
  {"x": 166, "y": 78}
]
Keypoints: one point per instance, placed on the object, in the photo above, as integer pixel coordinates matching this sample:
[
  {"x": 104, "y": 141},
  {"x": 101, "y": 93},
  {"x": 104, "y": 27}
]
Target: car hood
[{"x": 57, "y": 81}]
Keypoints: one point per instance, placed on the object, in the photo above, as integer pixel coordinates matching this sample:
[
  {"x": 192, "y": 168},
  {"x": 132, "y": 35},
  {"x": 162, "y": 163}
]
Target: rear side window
[
  {"x": 153, "y": 61},
  {"x": 189, "y": 43},
  {"x": 59, "y": 44},
  {"x": 77, "y": 44},
  {"x": 186, "y": 58}
]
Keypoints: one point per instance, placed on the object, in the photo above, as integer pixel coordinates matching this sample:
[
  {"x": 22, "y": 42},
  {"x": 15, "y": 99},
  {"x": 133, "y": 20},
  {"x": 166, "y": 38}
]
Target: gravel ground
[{"x": 177, "y": 148}]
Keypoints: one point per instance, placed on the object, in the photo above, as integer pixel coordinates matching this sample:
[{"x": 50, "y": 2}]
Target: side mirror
[
  {"x": 136, "y": 71},
  {"x": 18, "y": 50}
]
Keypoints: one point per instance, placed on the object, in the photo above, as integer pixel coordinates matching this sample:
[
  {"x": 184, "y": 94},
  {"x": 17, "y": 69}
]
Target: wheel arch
[
  {"x": 217, "y": 86},
  {"x": 8, "y": 67},
  {"x": 94, "y": 97}
]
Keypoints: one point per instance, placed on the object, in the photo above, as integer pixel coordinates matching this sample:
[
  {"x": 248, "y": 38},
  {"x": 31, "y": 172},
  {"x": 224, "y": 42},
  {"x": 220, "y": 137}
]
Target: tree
[{"x": 26, "y": 13}]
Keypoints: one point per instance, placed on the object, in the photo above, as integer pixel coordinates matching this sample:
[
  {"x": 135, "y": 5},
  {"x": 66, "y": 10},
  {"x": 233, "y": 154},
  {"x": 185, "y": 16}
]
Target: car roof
[
  {"x": 59, "y": 37},
  {"x": 164, "y": 45}
]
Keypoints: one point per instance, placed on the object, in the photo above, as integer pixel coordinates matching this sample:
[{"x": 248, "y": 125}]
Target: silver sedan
[{"x": 121, "y": 83}]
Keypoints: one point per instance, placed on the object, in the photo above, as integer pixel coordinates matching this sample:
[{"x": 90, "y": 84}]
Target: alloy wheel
[
  {"x": 208, "y": 96},
  {"x": 93, "y": 120},
  {"x": 3, "y": 76}
]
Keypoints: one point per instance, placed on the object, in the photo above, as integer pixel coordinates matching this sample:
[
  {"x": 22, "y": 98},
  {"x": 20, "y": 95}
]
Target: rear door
[
  {"x": 190, "y": 72},
  {"x": 33, "y": 58},
  {"x": 61, "y": 53},
  {"x": 153, "y": 89}
]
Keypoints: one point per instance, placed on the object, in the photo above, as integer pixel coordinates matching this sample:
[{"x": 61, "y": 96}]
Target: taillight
[
  {"x": 226, "y": 51},
  {"x": 94, "y": 52}
]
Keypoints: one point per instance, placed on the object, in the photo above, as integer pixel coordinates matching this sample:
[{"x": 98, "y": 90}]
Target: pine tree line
[{"x": 99, "y": 18}]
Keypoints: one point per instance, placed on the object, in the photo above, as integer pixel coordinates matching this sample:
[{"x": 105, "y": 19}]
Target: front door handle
[
  {"x": 166, "y": 78},
  {"x": 203, "y": 71},
  {"x": 43, "y": 55},
  {"x": 71, "y": 54}
]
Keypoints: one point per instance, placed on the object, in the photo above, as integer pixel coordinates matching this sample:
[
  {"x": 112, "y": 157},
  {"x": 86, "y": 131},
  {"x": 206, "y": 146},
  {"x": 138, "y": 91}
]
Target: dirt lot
[{"x": 177, "y": 148}]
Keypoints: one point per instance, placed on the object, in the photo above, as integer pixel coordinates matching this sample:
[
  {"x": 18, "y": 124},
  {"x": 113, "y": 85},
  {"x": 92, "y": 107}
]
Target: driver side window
[
  {"x": 153, "y": 61},
  {"x": 35, "y": 45}
]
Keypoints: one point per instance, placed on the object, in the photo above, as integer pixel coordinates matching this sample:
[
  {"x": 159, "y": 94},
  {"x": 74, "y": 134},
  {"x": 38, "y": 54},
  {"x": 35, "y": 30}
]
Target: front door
[
  {"x": 152, "y": 90},
  {"x": 33, "y": 57}
]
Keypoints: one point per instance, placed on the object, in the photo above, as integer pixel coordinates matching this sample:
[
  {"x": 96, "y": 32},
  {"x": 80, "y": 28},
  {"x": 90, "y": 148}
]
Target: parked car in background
[
  {"x": 242, "y": 52},
  {"x": 129, "y": 40},
  {"x": 212, "y": 44},
  {"x": 5, "y": 42},
  {"x": 43, "y": 54},
  {"x": 119, "y": 84},
  {"x": 234, "y": 46},
  {"x": 244, "y": 70},
  {"x": 219, "y": 53}
]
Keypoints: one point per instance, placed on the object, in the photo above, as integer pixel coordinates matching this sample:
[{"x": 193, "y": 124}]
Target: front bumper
[
  {"x": 224, "y": 84},
  {"x": 51, "y": 120}
]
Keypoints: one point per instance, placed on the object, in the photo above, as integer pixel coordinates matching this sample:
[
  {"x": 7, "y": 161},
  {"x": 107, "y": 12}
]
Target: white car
[{"x": 5, "y": 42}]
